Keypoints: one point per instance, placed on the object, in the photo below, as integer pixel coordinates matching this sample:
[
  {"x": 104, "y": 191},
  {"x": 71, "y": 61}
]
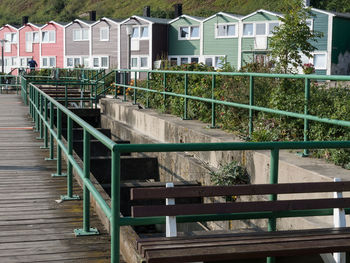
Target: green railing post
[
  {"x": 115, "y": 84},
  {"x": 148, "y": 79},
  {"x": 273, "y": 180},
  {"x": 36, "y": 111},
  {"x": 86, "y": 230},
  {"x": 124, "y": 89},
  {"x": 213, "y": 120},
  {"x": 40, "y": 110},
  {"x": 51, "y": 157},
  {"x": 135, "y": 85},
  {"x": 164, "y": 86},
  {"x": 185, "y": 117},
  {"x": 46, "y": 145},
  {"x": 65, "y": 96},
  {"x": 115, "y": 222},
  {"x": 69, "y": 195},
  {"x": 251, "y": 103},
  {"x": 306, "y": 112},
  {"x": 59, "y": 138}
]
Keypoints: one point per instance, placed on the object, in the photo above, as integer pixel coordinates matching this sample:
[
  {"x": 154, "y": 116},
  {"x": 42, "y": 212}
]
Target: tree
[{"x": 293, "y": 37}]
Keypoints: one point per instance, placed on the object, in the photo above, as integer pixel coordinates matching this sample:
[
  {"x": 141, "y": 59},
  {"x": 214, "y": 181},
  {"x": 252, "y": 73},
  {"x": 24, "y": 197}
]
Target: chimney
[
  {"x": 92, "y": 15},
  {"x": 178, "y": 10},
  {"x": 147, "y": 11},
  {"x": 306, "y": 3},
  {"x": 25, "y": 20}
]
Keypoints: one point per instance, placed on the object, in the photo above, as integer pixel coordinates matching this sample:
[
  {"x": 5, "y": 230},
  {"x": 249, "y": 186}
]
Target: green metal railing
[
  {"x": 251, "y": 106},
  {"x": 42, "y": 108},
  {"x": 9, "y": 83}
]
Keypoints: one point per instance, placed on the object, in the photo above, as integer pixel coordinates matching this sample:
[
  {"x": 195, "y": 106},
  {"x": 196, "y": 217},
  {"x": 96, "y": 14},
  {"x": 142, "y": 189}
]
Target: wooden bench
[{"x": 245, "y": 245}]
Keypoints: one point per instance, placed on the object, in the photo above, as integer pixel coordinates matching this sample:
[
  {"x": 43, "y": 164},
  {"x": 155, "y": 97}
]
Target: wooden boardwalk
[{"x": 33, "y": 226}]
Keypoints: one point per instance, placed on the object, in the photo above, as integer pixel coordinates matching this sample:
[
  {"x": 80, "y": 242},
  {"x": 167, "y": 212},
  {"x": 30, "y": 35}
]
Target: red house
[
  {"x": 9, "y": 40},
  {"x": 52, "y": 45},
  {"x": 29, "y": 44}
]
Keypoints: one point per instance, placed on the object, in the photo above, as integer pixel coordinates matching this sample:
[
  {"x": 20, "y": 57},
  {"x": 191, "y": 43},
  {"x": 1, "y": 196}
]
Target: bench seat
[{"x": 244, "y": 245}]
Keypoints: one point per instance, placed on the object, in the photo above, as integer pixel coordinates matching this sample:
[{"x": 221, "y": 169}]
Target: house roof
[
  {"x": 235, "y": 16},
  {"x": 263, "y": 11},
  {"x": 86, "y": 22},
  {"x": 344, "y": 15},
  {"x": 16, "y": 27},
  {"x": 152, "y": 20},
  {"x": 32, "y": 25},
  {"x": 196, "y": 18},
  {"x": 116, "y": 21}
]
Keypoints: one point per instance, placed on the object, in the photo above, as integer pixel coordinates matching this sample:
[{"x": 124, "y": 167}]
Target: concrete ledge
[{"x": 128, "y": 122}]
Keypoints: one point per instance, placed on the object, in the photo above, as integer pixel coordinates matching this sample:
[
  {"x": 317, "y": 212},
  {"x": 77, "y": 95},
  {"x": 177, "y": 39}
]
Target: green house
[
  {"x": 185, "y": 39},
  {"x": 221, "y": 39}
]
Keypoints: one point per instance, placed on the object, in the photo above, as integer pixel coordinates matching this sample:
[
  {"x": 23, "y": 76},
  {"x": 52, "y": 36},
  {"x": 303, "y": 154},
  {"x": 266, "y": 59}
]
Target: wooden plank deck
[{"x": 33, "y": 226}]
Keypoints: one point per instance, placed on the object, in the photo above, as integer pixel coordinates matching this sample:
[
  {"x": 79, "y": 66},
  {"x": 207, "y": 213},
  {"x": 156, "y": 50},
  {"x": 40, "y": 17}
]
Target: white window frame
[
  {"x": 189, "y": 36},
  {"x": 26, "y": 61},
  {"x": 213, "y": 59},
  {"x": 80, "y": 34},
  {"x": 74, "y": 58},
  {"x": 38, "y": 38},
  {"x": 226, "y": 24},
  {"x": 313, "y": 60},
  {"x": 101, "y": 36},
  {"x": 311, "y": 23},
  {"x": 48, "y": 32},
  {"x": 48, "y": 62},
  {"x": 189, "y": 59},
  {"x": 99, "y": 58},
  {"x": 138, "y": 57},
  {"x": 139, "y": 37},
  {"x": 267, "y": 28}
]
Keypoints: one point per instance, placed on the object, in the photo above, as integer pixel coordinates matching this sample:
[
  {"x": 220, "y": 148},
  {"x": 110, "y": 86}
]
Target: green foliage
[
  {"x": 293, "y": 37},
  {"x": 230, "y": 174},
  {"x": 42, "y": 11}
]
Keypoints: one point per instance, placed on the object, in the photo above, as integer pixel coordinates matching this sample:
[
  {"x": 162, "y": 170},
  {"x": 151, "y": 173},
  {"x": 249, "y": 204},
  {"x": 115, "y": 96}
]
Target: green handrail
[{"x": 38, "y": 104}]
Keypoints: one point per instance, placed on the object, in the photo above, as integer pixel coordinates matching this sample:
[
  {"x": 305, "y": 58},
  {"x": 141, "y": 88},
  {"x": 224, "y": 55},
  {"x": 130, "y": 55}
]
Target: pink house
[
  {"x": 52, "y": 45},
  {"x": 9, "y": 39},
  {"x": 29, "y": 44}
]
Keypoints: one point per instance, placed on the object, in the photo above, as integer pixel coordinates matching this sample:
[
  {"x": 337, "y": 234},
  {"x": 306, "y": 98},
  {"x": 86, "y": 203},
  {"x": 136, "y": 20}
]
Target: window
[
  {"x": 7, "y": 44},
  {"x": 76, "y": 62},
  {"x": 248, "y": 29},
  {"x": 48, "y": 62},
  {"x": 69, "y": 62},
  {"x": 225, "y": 30},
  {"x": 189, "y": 32},
  {"x": 144, "y": 32},
  {"x": 48, "y": 36},
  {"x": 135, "y": 32},
  {"x": 13, "y": 61},
  {"x": 85, "y": 62},
  {"x": 320, "y": 61},
  {"x": 134, "y": 62},
  {"x": 96, "y": 63},
  {"x": 194, "y": 60},
  {"x": 209, "y": 62},
  {"x": 36, "y": 37},
  {"x": 80, "y": 34},
  {"x": 272, "y": 27},
  {"x": 219, "y": 62},
  {"x": 310, "y": 23},
  {"x": 104, "y": 62},
  {"x": 144, "y": 62},
  {"x": 183, "y": 61},
  {"x": 173, "y": 61},
  {"x": 104, "y": 34},
  {"x": 260, "y": 29}
]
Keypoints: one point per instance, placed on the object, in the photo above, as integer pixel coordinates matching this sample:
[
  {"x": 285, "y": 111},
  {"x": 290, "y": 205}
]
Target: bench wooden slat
[
  {"x": 215, "y": 253},
  {"x": 259, "y": 189},
  {"x": 238, "y": 207}
]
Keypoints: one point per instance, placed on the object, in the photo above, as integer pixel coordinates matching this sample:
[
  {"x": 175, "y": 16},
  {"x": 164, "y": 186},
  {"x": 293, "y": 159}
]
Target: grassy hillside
[{"x": 42, "y": 11}]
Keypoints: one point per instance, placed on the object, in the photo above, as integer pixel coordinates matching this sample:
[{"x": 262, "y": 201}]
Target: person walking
[{"x": 32, "y": 64}]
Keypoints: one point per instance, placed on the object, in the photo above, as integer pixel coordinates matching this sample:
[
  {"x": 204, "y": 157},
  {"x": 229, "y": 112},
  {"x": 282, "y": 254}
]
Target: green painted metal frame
[{"x": 113, "y": 212}]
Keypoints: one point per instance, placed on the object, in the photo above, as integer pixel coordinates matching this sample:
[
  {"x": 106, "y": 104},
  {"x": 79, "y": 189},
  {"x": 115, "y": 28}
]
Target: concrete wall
[{"x": 147, "y": 126}]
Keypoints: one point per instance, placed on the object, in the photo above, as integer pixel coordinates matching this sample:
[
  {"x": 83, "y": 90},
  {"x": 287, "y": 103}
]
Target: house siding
[
  {"x": 22, "y": 44},
  {"x": 320, "y": 24},
  {"x": 14, "y": 49},
  {"x": 183, "y": 47},
  {"x": 108, "y": 48},
  {"x": 341, "y": 46},
  {"x": 76, "y": 48},
  {"x": 54, "y": 49},
  {"x": 260, "y": 17},
  {"x": 144, "y": 44},
  {"x": 220, "y": 46}
]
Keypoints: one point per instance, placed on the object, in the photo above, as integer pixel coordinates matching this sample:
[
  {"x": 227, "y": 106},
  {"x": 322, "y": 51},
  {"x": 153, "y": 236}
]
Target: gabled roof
[
  {"x": 235, "y": 16},
  {"x": 263, "y": 11},
  {"x": 62, "y": 24},
  {"x": 15, "y": 27},
  {"x": 152, "y": 20},
  {"x": 86, "y": 22},
  {"x": 115, "y": 21},
  {"x": 196, "y": 18},
  {"x": 344, "y": 15},
  {"x": 32, "y": 25}
]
